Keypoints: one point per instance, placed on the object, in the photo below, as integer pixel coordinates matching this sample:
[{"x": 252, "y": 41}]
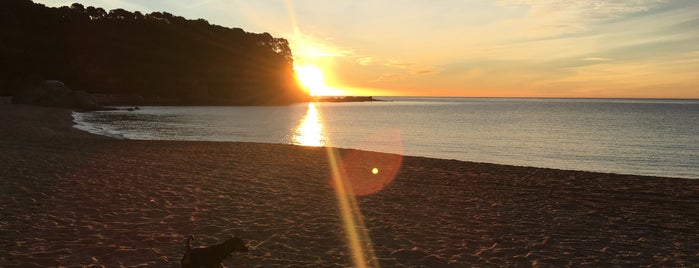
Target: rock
[
  {"x": 54, "y": 93},
  {"x": 84, "y": 101},
  {"x": 49, "y": 93}
]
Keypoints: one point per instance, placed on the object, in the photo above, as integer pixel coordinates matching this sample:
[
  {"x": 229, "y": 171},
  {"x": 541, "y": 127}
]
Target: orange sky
[{"x": 479, "y": 48}]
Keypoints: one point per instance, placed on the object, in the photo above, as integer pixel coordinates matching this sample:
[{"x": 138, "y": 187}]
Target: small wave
[{"x": 81, "y": 124}]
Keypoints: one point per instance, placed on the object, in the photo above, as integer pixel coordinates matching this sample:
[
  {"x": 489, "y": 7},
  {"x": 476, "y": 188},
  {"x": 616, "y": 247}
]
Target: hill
[{"x": 158, "y": 56}]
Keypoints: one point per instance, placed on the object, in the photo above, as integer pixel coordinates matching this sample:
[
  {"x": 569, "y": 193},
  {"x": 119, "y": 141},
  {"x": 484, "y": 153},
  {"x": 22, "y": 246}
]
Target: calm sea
[{"x": 630, "y": 136}]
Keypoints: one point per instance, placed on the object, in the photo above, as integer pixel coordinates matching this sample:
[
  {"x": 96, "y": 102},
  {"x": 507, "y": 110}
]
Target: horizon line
[{"x": 512, "y": 97}]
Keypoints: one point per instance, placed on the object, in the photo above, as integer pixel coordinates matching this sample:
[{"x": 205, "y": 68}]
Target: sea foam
[{"x": 80, "y": 123}]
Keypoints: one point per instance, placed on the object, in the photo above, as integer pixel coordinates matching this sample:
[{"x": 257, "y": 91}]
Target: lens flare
[
  {"x": 382, "y": 167},
  {"x": 356, "y": 234},
  {"x": 310, "y": 132},
  {"x": 356, "y": 164},
  {"x": 358, "y": 239}
]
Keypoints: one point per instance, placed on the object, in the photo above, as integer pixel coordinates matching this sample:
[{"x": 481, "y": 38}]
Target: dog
[{"x": 212, "y": 256}]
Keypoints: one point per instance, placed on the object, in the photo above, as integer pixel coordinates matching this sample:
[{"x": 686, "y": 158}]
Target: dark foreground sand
[{"x": 70, "y": 198}]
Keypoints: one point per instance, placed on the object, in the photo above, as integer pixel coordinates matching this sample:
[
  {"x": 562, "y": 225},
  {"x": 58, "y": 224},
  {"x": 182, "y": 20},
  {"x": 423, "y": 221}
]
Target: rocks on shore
[
  {"x": 54, "y": 93},
  {"x": 343, "y": 98}
]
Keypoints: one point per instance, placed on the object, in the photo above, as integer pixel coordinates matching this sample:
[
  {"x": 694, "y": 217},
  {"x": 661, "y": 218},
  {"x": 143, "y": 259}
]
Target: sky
[{"x": 470, "y": 48}]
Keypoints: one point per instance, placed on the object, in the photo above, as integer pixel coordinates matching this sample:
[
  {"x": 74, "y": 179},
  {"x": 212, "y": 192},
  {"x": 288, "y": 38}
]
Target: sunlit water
[{"x": 645, "y": 137}]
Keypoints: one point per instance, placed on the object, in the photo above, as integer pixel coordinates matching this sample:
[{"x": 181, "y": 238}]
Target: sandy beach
[{"x": 70, "y": 198}]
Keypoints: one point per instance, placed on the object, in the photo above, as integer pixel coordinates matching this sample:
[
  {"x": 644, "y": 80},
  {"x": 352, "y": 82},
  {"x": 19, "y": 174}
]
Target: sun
[{"x": 311, "y": 78}]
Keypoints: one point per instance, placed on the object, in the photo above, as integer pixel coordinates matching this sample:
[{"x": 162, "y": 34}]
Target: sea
[{"x": 656, "y": 137}]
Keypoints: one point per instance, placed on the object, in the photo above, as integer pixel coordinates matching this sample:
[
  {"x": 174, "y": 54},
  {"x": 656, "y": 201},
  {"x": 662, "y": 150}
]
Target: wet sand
[{"x": 70, "y": 198}]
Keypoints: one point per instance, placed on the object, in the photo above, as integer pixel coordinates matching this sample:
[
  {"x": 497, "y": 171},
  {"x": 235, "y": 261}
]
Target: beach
[{"x": 70, "y": 198}]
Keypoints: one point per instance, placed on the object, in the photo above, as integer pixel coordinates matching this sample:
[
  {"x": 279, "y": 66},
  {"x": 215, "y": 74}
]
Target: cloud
[
  {"x": 357, "y": 57},
  {"x": 427, "y": 71},
  {"x": 590, "y": 9},
  {"x": 364, "y": 61},
  {"x": 597, "y": 59},
  {"x": 398, "y": 65},
  {"x": 412, "y": 68},
  {"x": 400, "y": 70},
  {"x": 388, "y": 77},
  {"x": 555, "y": 17},
  {"x": 318, "y": 45}
]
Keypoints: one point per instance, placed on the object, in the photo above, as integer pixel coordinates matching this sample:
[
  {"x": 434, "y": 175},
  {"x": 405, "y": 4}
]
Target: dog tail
[
  {"x": 186, "y": 259},
  {"x": 188, "y": 246}
]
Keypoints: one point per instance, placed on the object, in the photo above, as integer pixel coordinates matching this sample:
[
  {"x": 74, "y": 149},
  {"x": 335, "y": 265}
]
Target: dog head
[{"x": 235, "y": 244}]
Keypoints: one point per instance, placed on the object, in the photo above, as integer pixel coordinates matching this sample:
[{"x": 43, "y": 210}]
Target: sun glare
[
  {"x": 311, "y": 78},
  {"x": 310, "y": 130}
]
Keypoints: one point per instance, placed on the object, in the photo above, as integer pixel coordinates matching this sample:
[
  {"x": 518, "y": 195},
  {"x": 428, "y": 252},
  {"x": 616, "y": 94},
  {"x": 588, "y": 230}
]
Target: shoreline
[
  {"x": 75, "y": 198},
  {"x": 620, "y": 162}
]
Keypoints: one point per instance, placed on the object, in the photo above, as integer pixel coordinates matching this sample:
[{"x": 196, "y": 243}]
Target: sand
[{"x": 74, "y": 199}]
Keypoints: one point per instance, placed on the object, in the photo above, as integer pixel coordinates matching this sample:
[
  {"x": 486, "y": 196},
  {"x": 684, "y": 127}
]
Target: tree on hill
[{"x": 156, "y": 56}]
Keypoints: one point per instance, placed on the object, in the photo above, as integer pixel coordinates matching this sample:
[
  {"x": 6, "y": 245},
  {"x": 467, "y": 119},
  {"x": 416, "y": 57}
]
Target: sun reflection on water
[{"x": 310, "y": 131}]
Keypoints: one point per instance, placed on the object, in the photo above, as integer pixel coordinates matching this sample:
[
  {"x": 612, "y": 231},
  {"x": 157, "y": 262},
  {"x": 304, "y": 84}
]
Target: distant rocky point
[{"x": 344, "y": 98}]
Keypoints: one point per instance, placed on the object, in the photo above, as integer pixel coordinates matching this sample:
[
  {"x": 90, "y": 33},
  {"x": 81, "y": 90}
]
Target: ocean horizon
[{"x": 654, "y": 137}]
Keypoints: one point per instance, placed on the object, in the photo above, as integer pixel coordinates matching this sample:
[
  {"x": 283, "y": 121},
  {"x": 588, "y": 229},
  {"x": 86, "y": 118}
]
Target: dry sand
[{"x": 74, "y": 199}]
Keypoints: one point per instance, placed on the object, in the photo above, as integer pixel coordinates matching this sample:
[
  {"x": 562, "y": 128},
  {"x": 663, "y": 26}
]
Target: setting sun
[{"x": 311, "y": 78}]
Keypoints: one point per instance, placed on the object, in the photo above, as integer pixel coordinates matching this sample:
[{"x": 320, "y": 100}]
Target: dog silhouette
[{"x": 211, "y": 256}]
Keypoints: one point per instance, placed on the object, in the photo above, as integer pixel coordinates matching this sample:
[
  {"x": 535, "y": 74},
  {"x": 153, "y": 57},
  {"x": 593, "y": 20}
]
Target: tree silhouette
[{"x": 158, "y": 56}]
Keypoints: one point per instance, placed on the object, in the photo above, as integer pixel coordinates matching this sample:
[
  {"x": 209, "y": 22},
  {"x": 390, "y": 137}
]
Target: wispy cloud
[
  {"x": 399, "y": 65},
  {"x": 357, "y": 57},
  {"x": 388, "y": 77},
  {"x": 315, "y": 45},
  {"x": 364, "y": 61},
  {"x": 412, "y": 68},
  {"x": 401, "y": 70},
  {"x": 597, "y": 59},
  {"x": 554, "y": 17}
]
